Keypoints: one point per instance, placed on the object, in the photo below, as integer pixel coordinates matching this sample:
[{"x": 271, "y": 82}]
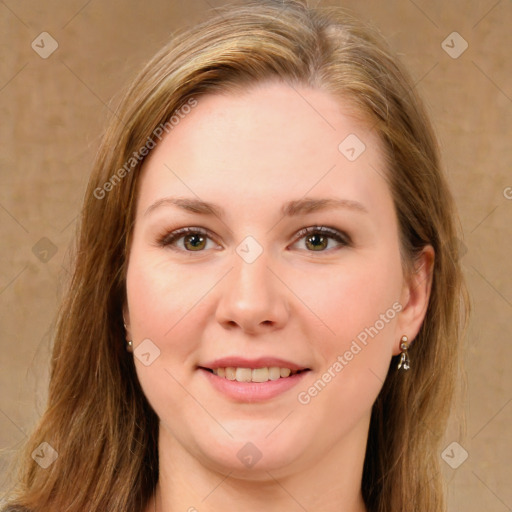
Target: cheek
[
  {"x": 360, "y": 307},
  {"x": 353, "y": 297},
  {"x": 163, "y": 306},
  {"x": 159, "y": 296}
]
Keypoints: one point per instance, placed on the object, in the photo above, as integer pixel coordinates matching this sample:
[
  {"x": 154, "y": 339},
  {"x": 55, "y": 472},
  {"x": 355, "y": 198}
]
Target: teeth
[
  {"x": 253, "y": 375},
  {"x": 274, "y": 373},
  {"x": 260, "y": 375},
  {"x": 243, "y": 374}
]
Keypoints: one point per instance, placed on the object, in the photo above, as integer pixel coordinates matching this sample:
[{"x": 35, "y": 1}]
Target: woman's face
[{"x": 247, "y": 287}]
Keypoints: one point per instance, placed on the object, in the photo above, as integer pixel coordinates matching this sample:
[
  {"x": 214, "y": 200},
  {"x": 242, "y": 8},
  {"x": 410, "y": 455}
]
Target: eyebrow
[{"x": 289, "y": 209}]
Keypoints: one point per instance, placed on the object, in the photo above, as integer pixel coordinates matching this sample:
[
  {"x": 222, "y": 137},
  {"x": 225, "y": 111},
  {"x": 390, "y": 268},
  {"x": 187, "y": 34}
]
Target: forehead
[{"x": 271, "y": 143}]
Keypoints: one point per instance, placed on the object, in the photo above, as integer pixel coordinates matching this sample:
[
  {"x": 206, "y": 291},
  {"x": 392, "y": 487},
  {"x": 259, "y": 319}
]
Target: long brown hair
[{"x": 97, "y": 418}]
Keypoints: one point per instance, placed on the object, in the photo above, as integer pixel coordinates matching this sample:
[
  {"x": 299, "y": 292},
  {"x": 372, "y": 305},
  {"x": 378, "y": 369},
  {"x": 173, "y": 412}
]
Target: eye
[
  {"x": 317, "y": 238},
  {"x": 194, "y": 239}
]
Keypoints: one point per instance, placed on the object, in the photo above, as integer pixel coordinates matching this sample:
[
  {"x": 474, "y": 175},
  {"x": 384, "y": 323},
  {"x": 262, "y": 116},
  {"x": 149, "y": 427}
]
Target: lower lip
[{"x": 253, "y": 391}]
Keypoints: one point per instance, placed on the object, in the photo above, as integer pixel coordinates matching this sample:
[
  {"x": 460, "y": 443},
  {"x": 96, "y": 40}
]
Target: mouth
[
  {"x": 245, "y": 380},
  {"x": 246, "y": 384},
  {"x": 263, "y": 374}
]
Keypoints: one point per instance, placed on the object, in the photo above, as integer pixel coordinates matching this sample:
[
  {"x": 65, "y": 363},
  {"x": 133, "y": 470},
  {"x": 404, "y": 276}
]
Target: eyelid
[
  {"x": 325, "y": 230},
  {"x": 168, "y": 238},
  {"x": 341, "y": 237}
]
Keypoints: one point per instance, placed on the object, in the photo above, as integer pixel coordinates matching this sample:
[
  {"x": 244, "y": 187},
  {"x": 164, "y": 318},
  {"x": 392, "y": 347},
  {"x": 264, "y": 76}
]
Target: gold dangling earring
[
  {"x": 404, "y": 355},
  {"x": 129, "y": 343}
]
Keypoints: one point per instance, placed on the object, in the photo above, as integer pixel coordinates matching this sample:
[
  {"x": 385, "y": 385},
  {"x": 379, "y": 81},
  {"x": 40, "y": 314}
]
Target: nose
[{"x": 252, "y": 298}]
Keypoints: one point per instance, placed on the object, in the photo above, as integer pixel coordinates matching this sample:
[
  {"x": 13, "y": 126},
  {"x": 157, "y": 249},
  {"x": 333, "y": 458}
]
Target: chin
[{"x": 254, "y": 455}]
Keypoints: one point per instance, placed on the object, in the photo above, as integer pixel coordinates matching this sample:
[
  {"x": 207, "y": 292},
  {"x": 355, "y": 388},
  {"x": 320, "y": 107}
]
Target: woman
[{"x": 266, "y": 306}]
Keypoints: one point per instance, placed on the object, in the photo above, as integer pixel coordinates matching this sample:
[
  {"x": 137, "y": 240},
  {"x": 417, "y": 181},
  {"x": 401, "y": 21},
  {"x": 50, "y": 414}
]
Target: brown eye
[
  {"x": 186, "y": 240},
  {"x": 317, "y": 242},
  {"x": 317, "y": 238},
  {"x": 194, "y": 242}
]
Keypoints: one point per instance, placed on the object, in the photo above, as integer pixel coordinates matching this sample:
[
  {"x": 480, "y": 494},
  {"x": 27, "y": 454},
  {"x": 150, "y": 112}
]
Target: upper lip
[{"x": 260, "y": 362}]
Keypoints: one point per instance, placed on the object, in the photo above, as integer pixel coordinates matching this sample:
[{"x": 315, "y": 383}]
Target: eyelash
[{"x": 169, "y": 238}]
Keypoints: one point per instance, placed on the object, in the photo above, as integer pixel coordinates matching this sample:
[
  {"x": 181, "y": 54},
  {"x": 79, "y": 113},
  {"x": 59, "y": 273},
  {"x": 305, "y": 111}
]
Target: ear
[{"x": 415, "y": 297}]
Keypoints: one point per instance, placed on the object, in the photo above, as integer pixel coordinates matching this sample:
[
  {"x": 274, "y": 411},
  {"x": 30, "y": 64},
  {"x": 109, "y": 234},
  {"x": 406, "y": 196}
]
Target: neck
[{"x": 331, "y": 482}]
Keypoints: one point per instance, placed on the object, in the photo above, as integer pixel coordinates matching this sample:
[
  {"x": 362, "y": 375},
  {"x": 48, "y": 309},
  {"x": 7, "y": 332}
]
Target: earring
[
  {"x": 404, "y": 355},
  {"x": 129, "y": 343}
]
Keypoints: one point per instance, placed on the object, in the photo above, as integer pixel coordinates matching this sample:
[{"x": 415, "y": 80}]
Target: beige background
[{"x": 53, "y": 111}]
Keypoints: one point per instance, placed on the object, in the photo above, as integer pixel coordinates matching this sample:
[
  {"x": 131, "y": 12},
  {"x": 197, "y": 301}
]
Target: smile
[
  {"x": 249, "y": 385},
  {"x": 254, "y": 374}
]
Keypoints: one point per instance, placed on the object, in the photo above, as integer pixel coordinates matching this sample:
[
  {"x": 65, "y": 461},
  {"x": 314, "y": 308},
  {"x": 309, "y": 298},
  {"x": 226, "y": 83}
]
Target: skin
[{"x": 250, "y": 153}]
